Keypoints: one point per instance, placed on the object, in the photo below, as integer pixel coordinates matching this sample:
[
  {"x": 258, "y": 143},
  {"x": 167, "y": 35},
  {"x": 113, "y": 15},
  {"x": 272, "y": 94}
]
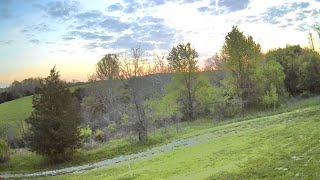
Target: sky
[{"x": 74, "y": 35}]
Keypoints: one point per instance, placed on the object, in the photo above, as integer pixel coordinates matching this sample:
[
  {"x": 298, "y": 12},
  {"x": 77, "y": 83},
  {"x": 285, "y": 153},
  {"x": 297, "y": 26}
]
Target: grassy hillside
[
  {"x": 284, "y": 146},
  {"x": 13, "y": 111},
  {"x": 267, "y": 144}
]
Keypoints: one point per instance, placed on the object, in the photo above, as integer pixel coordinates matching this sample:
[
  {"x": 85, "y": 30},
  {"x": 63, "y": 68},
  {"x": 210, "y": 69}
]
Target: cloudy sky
[{"x": 35, "y": 35}]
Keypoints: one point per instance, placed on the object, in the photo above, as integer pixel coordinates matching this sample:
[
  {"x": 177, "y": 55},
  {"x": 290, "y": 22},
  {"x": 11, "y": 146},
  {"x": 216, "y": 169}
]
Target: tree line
[
  {"x": 18, "y": 89},
  {"x": 26, "y": 87}
]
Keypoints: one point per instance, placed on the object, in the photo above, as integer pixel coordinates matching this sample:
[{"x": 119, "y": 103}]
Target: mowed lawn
[
  {"x": 284, "y": 146},
  {"x": 13, "y": 112}
]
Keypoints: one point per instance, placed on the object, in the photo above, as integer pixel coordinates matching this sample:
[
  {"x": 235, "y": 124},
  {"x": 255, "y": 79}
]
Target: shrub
[
  {"x": 225, "y": 105},
  {"x": 86, "y": 133},
  {"x": 16, "y": 142},
  {"x": 270, "y": 99},
  {"x": 99, "y": 136},
  {"x": 232, "y": 107},
  {"x": 4, "y": 151},
  {"x": 14, "y": 139}
]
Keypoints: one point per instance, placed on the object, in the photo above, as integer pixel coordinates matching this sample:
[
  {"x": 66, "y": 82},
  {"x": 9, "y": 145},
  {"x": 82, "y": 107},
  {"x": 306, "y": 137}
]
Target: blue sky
[{"x": 74, "y": 35}]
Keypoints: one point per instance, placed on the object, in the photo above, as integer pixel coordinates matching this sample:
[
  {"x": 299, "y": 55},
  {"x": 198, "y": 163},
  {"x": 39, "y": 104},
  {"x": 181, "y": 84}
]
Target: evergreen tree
[{"x": 54, "y": 123}]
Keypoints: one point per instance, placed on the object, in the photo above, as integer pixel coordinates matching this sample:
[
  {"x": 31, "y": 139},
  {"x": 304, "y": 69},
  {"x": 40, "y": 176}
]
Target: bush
[
  {"x": 86, "y": 134},
  {"x": 225, "y": 105},
  {"x": 16, "y": 142},
  {"x": 4, "y": 151},
  {"x": 270, "y": 99},
  {"x": 232, "y": 107},
  {"x": 99, "y": 136}
]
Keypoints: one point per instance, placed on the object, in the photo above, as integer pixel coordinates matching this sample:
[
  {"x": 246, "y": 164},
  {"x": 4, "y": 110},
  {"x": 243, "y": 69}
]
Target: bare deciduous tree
[{"x": 131, "y": 69}]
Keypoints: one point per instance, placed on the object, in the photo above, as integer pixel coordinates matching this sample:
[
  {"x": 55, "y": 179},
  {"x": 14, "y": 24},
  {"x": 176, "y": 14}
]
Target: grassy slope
[
  {"x": 284, "y": 146},
  {"x": 25, "y": 161},
  {"x": 28, "y": 162},
  {"x": 12, "y": 112}
]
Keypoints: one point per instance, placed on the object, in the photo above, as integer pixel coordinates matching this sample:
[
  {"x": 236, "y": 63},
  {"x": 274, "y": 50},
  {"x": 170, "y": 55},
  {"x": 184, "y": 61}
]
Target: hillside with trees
[{"x": 243, "y": 104}]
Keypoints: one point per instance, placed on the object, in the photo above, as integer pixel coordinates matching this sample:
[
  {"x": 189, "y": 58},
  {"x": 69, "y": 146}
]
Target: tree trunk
[{"x": 143, "y": 136}]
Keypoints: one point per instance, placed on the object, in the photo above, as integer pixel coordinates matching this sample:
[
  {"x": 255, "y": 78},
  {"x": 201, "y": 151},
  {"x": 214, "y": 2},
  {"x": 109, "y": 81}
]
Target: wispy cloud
[
  {"x": 93, "y": 14},
  {"x": 41, "y": 27},
  {"x": 34, "y": 41},
  {"x": 60, "y": 9},
  {"x": 274, "y": 13},
  {"x": 9, "y": 42},
  {"x": 86, "y": 36},
  {"x": 114, "y": 7}
]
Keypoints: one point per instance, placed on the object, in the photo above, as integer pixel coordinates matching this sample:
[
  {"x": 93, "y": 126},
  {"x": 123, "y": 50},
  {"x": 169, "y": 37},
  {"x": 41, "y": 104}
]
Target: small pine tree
[{"x": 54, "y": 123}]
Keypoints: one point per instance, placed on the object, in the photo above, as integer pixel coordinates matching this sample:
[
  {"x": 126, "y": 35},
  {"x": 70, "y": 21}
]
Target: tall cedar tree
[{"x": 54, "y": 122}]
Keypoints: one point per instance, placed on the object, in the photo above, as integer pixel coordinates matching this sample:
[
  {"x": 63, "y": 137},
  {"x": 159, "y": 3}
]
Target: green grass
[
  {"x": 25, "y": 161},
  {"x": 284, "y": 146},
  {"x": 12, "y": 112},
  {"x": 235, "y": 148}
]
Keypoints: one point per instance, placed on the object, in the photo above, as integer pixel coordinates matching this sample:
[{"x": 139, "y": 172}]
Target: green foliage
[
  {"x": 99, "y": 136},
  {"x": 185, "y": 82},
  {"x": 310, "y": 72},
  {"x": 112, "y": 127},
  {"x": 124, "y": 119},
  {"x": 164, "y": 108},
  {"x": 272, "y": 75},
  {"x": 270, "y": 99},
  {"x": 301, "y": 68},
  {"x": 4, "y": 151},
  {"x": 205, "y": 95},
  {"x": 187, "y": 99},
  {"x": 225, "y": 105},
  {"x": 273, "y": 86},
  {"x": 182, "y": 58},
  {"x": 242, "y": 59},
  {"x": 251, "y": 80},
  {"x": 86, "y": 133},
  {"x": 54, "y": 123}
]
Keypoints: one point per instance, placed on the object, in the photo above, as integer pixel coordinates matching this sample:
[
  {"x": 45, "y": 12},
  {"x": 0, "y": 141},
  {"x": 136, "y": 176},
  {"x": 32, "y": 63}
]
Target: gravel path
[{"x": 205, "y": 136}]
